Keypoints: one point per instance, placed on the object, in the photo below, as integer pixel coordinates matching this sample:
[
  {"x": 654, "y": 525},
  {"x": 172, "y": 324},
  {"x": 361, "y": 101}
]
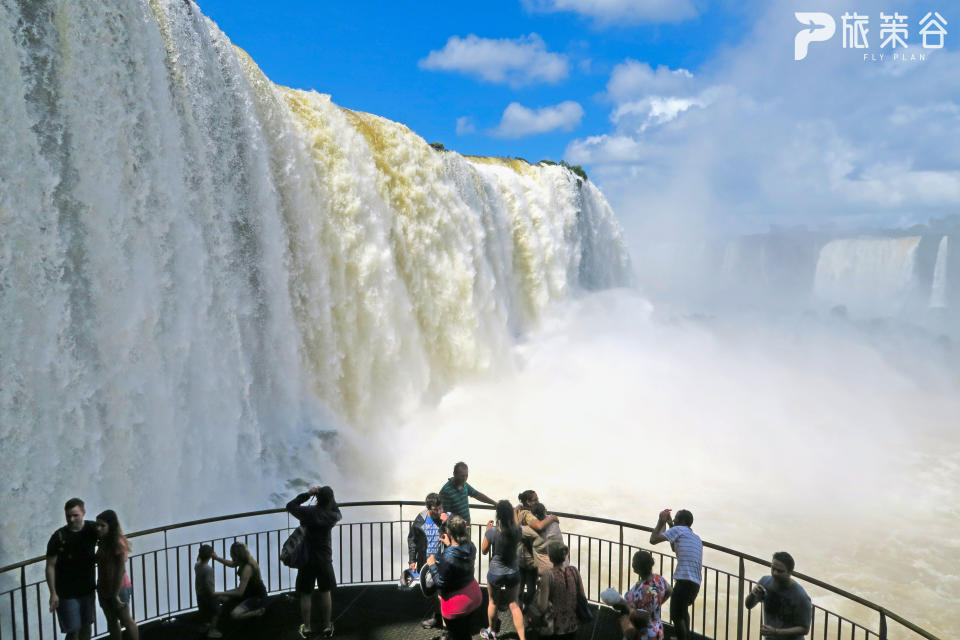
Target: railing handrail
[{"x": 609, "y": 521}]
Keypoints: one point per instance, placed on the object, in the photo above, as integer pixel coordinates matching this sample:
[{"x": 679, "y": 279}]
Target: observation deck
[{"x": 370, "y": 554}]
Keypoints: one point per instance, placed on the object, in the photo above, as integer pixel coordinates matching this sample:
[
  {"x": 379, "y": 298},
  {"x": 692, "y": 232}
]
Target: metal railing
[{"x": 368, "y": 550}]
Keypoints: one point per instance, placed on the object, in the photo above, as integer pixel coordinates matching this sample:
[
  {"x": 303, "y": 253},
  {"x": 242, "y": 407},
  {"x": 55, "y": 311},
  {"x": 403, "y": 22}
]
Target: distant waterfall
[
  {"x": 200, "y": 270},
  {"x": 870, "y": 274},
  {"x": 938, "y": 290}
]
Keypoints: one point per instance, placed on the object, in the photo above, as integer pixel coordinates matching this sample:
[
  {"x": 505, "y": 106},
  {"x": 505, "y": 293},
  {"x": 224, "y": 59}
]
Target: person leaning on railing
[
  {"x": 456, "y": 492},
  {"x": 687, "y": 575}
]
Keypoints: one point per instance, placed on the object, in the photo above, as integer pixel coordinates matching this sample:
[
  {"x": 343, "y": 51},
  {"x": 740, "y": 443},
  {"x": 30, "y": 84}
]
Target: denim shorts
[
  {"x": 75, "y": 613},
  {"x": 124, "y": 595},
  {"x": 503, "y": 580}
]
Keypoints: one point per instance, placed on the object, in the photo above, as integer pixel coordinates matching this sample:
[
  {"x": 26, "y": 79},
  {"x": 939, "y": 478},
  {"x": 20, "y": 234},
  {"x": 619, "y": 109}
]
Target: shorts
[
  {"x": 76, "y": 613},
  {"x": 251, "y": 604},
  {"x": 684, "y": 594},
  {"x": 111, "y": 604},
  {"x": 503, "y": 580},
  {"x": 321, "y": 575}
]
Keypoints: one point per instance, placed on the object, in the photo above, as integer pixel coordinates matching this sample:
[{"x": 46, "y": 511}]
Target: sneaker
[
  {"x": 431, "y": 623},
  {"x": 304, "y": 632},
  {"x": 327, "y": 632},
  {"x": 488, "y": 634},
  {"x": 214, "y": 633}
]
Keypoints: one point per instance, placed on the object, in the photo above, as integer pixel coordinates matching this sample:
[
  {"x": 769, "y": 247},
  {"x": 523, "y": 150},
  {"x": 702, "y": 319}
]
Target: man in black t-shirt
[{"x": 70, "y": 571}]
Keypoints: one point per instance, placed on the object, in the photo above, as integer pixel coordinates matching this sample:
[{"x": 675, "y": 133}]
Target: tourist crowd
[{"x": 529, "y": 573}]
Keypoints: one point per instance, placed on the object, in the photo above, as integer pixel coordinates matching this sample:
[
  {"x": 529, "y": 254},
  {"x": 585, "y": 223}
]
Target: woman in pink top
[{"x": 113, "y": 584}]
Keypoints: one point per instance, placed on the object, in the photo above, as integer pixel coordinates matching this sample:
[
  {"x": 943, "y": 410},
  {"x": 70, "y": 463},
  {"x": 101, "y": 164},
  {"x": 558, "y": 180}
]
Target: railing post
[
  {"x": 166, "y": 571},
  {"x": 740, "y": 585},
  {"x": 620, "y": 566},
  {"x": 883, "y": 625},
  {"x": 23, "y": 602}
]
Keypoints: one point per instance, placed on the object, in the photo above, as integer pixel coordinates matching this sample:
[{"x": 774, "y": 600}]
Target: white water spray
[
  {"x": 938, "y": 290},
  {"x": 868, "y": 274},
  {"x": 201, "y": 273}
]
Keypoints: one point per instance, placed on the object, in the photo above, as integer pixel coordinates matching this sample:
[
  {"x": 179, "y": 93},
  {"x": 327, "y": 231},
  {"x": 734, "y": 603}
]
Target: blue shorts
[
  {"x": 503, "y": 580},
  {"x": 111, "y": 605},
  {"x": 75, "y": 613}
]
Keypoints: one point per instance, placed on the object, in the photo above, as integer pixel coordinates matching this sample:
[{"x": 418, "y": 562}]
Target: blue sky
[
  {"x": 691, "y": 115},
  {"x": 368, "y": 55}
]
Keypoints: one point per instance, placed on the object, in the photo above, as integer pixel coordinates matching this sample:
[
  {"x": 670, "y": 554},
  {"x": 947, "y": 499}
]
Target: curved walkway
[{"x": 374, "y": 612}]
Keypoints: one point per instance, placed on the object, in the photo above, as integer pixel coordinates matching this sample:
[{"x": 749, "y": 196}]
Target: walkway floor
[{"x": 374, "y": 612}]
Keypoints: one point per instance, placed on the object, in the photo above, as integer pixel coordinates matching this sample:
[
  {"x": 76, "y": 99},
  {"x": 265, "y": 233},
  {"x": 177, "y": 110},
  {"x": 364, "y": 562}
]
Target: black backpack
[{"x": 295, "y": 552}]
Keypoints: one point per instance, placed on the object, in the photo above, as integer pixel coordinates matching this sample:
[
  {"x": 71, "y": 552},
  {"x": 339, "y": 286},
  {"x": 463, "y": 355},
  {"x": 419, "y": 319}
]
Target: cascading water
[
  {"x": 869, "y": 274},
  {"x": 201, "y": 271},
  {"x": 938, "y": 290}
]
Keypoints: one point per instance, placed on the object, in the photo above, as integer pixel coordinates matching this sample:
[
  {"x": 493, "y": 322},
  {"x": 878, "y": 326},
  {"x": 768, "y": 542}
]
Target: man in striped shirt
[
  {"x": 686, "y": 577},
  {"x": 456, "y": 493}
]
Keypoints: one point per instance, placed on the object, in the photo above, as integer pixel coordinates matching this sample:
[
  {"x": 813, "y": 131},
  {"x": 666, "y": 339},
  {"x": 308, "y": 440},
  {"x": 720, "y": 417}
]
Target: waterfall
[
  {"x": 867, "y": 274},
  {"x": 938, "y": 290},
  {"x": 200, "y": 271}
]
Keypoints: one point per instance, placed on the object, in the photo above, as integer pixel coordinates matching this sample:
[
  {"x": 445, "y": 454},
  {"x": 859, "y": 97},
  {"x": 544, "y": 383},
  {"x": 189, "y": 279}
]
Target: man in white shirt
[{"x": 687, "y": 575}]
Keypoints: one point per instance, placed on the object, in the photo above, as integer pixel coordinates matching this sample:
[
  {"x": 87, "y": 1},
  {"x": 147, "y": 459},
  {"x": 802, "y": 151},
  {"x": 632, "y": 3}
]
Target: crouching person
[{"x": 249, "y": 598}]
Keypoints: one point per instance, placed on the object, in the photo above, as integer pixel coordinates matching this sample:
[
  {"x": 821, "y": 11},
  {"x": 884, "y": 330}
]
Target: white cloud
[
  {"x": 632, "y": 79},
  {"x": 606, "y": 149},
  {"x": 755, "y": 138},
  {"x": 519, "y": 121},
  {"x": 517, "y": 62},
  {"x": 465, "y": 126},
  {"x": 608, "y": 12},
  {"x": 654, "y": 111}
]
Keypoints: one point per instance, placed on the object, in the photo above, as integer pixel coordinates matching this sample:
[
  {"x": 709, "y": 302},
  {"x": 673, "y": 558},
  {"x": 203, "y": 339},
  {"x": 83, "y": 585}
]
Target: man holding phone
[{"x": 786, "y": 606}]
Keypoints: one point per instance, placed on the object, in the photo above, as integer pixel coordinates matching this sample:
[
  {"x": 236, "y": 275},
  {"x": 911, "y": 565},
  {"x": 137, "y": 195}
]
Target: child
[{"x": 206, "y": 602}]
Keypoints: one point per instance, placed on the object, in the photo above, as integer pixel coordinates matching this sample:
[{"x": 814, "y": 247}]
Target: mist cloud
[{"x": 754, "y": 138}]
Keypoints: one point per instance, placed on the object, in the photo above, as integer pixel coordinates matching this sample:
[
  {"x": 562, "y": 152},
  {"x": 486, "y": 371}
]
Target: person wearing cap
[
  {"x": 455, "y": 493},
  {"x": 687, "y": 575},
  {"x": 451, "y": 573},
  {"x": 424, "y": 541},
  {"x": 786, "y": 605}
]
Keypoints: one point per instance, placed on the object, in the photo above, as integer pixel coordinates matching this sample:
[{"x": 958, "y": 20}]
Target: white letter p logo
[{"x": 819, "y": 27}]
